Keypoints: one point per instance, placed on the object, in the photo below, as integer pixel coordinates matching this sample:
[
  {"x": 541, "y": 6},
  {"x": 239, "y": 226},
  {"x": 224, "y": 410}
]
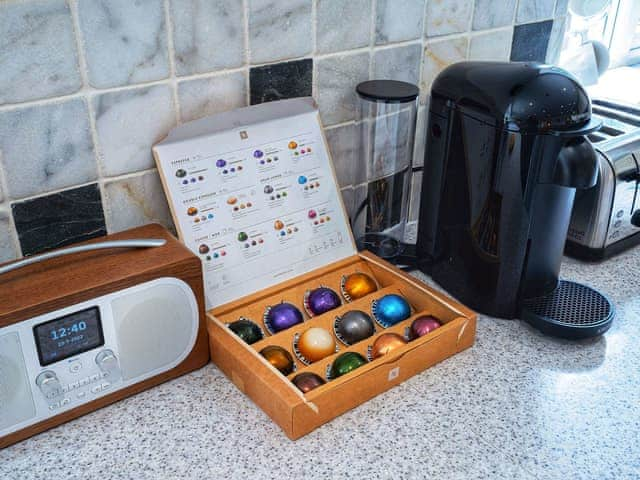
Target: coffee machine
[{"x": 506, "y": 150}]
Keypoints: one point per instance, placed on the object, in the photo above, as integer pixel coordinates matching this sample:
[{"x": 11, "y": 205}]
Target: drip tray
[{"x": 571, "y": 311}]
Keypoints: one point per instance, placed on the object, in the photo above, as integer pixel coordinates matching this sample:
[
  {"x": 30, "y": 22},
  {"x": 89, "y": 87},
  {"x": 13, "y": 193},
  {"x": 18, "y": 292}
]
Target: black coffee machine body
[{"x": 506, "y": 151}]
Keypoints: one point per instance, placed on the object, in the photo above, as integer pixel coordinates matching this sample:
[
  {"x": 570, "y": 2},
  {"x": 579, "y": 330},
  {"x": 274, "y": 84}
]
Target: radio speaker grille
[
  {"x": 153, "y": 327},
  {"x": 16, "y": 400}
]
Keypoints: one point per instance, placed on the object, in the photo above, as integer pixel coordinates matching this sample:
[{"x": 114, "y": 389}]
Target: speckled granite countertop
[{"x": 516, "y": 405}]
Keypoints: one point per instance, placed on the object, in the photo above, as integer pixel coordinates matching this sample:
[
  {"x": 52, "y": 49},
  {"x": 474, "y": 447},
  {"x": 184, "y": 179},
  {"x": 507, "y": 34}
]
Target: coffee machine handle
[{"x": 577, "y": 164}]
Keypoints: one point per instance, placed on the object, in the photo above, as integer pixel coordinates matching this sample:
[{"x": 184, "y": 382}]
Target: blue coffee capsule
[{"x": 390, "y": 309}]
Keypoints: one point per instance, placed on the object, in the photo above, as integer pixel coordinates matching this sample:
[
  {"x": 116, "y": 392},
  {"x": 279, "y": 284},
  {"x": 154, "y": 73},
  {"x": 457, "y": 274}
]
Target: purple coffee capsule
[{"x": 320, "y": 300}]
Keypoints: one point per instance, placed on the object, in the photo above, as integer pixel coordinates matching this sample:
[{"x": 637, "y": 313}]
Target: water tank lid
[{"x": 387, "y": 91}]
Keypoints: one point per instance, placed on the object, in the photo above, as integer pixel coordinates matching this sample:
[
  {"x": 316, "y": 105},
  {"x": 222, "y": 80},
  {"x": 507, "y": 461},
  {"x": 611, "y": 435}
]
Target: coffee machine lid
[{"x": 525, "y": 97}]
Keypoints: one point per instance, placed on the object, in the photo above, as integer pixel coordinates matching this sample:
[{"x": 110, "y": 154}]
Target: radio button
[
  {"x": 49, "y": 385},
  {"x": 75, "y": 367},
  {"x": 108, "y": 363}
]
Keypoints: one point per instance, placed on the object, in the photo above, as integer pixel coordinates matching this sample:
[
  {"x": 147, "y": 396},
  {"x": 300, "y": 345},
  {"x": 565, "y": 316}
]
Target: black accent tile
[
  {"x": 281, "y": 80},
  {"x": 59, "y": 219},
  {"x": 530, "y": 42}
]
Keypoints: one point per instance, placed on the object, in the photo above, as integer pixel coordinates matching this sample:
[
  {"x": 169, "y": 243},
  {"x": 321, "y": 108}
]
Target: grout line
[
  {"x": 372, "y": 35},
  {"x": 247, "y": 50},
  {"x": 314, "y": 47},
  {"x": 172, "y": 61},
  {"x": 87, "y": 98}
]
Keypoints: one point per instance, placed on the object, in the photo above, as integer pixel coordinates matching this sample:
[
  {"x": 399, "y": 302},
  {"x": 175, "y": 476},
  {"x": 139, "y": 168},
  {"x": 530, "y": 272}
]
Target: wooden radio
[{"x": 86, "y": 326}]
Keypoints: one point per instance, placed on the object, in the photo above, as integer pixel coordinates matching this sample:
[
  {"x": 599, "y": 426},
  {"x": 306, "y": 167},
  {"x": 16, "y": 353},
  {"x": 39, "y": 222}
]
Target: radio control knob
[
  {"x": 635, "y": 218},
  {"x": 108, "y": 363},
  {"x": 49, "y": 385}
]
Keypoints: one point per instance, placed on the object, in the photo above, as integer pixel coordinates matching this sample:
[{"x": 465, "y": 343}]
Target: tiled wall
[{"x": 87, "y": 86}]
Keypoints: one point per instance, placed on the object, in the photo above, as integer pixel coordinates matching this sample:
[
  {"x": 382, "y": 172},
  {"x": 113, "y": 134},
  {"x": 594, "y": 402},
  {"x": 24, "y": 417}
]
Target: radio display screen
[{"x": 67, "y": 336}]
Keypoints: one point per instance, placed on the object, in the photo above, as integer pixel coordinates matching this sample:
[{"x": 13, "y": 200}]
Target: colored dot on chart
[
  {"x": 260, "y": 240},
  {"x": 215, "y": 255},
  {"x": 282, "y": 233},
  {"x": 239, "y": 167},
  {"x": 249, "y": 205},
  {"x": 223, "y": 253},
  {"x": 225, "y": 172}
]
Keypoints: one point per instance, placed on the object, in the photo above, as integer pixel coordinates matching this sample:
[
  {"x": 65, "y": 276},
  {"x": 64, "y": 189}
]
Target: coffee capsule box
[{"x": 326, "y": 391}]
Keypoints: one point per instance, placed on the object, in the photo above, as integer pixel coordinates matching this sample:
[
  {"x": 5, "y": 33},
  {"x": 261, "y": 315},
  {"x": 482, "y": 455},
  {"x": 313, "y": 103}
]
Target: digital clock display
[{"x": 67, "y": 336}]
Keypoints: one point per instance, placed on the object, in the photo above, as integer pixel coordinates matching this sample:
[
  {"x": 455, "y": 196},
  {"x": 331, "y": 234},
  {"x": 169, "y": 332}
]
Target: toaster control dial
[
  {"x": 49, "y": 385},
  {"x": 108, "y": 363},
  {"x": 635, "y": 219}
]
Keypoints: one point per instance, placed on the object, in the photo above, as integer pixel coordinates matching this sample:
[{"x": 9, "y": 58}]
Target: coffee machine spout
[{"x": 577, "y": 164}]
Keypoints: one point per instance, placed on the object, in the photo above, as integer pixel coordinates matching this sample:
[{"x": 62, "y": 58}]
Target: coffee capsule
[
  {"x": 279, "y": 358},
  {"x": 281, "y": 316},
  {"x": 390, "y": 309},
  {"x": 345, "y": 363},
  {"x": 357, "y": 285},
  {"x": 247, "y": 330},
  {"x": 320, "y": 300},
  {"x": 385, "y": 343},
  {"x": 353, "y": 326},
  {"x": 314, "y": 344},
  {"x": 307, "y": 381},
  {"x": 423, "y": 325}
]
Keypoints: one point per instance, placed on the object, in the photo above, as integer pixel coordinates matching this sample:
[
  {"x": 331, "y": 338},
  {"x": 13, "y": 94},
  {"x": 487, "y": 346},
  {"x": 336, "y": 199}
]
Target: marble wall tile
[
  {"x": 125, "y": 42},
  {"x": 398, "y": 63},
  {"x": 8, "y": 247},
  {"x": 398, "y": 20},
  {"x": 128, "y": 123},
  {"x": 38, "y": 56},
  {"x": 135, "y": 201},
  {"x": 534, "y": 10},
  {"x": 347, "y": 200},
  {"x": 59, "y": 219},
  {"x": 444, "y": 17},
  {"x": 46, "y": 147},
  {"x": 494, "y": 45},
  {"x": 279, "y": 30},
  {"x": 556, "y": 38},
  {"x": 206, "y": 96},
  {"x": 530, "y": 42},
  {"x": 336, "y": 79},
  {"x": 208, "y": 35},
  {"x": 493, "y": 14},
  {"x": 281, "y": 81},
  {"x": 342, "y": 24},
  {"x": 439, "y": 54},
  {"x": 343, "y": 148},
  {"x": 561, "y": 7}
]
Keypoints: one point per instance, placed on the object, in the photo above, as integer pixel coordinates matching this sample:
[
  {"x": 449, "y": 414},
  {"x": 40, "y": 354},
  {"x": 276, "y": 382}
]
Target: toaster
[{"x": 606, "y": 218}]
